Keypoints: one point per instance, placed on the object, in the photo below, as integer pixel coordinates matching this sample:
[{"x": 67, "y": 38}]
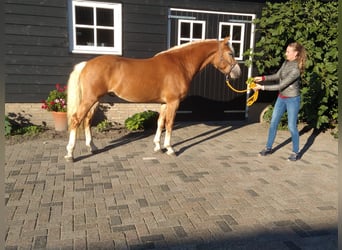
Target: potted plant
[{"x": 56, "y": 103}]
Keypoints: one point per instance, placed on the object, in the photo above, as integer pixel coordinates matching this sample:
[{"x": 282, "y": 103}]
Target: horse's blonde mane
[{"x": 177, "y": 47}]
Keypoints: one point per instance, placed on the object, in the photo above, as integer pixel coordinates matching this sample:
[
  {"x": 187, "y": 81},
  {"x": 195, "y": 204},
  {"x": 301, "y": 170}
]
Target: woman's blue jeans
[{"x": 291, "y": 105}]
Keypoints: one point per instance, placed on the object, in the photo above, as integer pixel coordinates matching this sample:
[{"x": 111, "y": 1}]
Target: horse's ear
[
  {"x": 229, "y": 44},
  {"x": 226, "y": 40}
]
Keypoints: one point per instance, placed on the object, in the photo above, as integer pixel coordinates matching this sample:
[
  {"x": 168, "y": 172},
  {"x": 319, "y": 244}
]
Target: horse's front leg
[
  {"x": 160, "y": 127},
  {"x": 170, "y": 118},
  {"x": 167, "y": 142}
]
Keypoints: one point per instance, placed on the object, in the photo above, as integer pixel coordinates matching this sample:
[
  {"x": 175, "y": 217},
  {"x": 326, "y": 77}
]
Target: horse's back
[
  {"x": 134, "y": 80},
  {"x": 161, "y": 78}
]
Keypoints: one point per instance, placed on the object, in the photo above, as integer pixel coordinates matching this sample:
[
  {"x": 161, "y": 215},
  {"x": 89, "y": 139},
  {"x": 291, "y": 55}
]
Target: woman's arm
[{"x": 292, "y": 73}]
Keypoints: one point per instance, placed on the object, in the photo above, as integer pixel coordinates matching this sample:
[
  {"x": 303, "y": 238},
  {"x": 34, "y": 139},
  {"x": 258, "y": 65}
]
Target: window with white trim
[
  {"x": 96, "y": 27},
  {"x": 189, "y": 31},
  {"x": 236, "y": 32}
]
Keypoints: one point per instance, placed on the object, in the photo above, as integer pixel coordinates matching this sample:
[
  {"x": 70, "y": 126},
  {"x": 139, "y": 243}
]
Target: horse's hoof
[
  {"x": 93, "y": 150},
  {"x": 159, "y": 151},
  {"x": 69, "y": 158},
  {"x": 171, "y": 153}
]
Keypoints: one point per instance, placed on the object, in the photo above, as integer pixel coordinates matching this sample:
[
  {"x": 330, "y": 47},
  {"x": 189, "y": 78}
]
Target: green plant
[
  {"x": 143, "y": 120},
  {"x": 8, "y": 126},
  {"x": 104, "y": 125},
  {"x": 17, "y": 124},
  {"x": 29, "y": 130},
  {"x": 56, "y": 100},
  {"x": 314, "y": 25}
]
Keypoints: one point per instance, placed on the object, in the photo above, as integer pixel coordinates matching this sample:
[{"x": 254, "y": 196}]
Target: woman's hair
[{"x": 301, "y": 57}]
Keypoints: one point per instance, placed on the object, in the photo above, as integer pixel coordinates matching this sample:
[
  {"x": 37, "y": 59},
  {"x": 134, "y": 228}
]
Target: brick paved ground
[{"x": 216, "y": 194}]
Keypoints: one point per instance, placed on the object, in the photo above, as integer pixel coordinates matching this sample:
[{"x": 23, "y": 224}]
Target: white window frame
[
  {"x": 242, "y": 35},
  {"x": 94, "y": 48},
  {"x": 191, "y": 38}
]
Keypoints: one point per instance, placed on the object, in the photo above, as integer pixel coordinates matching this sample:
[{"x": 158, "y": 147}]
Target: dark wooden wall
[{"x": 37, "y": 45}]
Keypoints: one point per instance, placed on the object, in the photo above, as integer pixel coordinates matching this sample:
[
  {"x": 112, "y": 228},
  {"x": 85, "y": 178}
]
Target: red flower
[{"x": 56, "y": 100}]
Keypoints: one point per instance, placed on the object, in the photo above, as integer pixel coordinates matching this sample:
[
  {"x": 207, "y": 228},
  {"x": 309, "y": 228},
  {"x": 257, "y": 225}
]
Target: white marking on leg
[
  {"x": 160, "y": 125},
  {"x": 71, "y": 145},
  {"x": 167, "y": 143},
  {"x": 156, "y": 139},
  {"x": 89, "y": 141}
]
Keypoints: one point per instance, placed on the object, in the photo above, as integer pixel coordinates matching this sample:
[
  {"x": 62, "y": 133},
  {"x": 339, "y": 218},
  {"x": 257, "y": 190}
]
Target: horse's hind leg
[
  {"x": 71, "y": 145},
  {"x": 75, "y": 122},
  {"x": 87, "y": 130},
  {"x": 160, "y": 127}
]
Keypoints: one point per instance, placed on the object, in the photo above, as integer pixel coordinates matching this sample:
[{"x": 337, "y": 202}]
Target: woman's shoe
[
  {"x": 293, "y": 157},
  {"x": 266, "y": 151}
]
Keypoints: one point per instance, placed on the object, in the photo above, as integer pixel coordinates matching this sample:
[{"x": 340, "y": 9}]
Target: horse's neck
[{"x": 197, "y": 56}]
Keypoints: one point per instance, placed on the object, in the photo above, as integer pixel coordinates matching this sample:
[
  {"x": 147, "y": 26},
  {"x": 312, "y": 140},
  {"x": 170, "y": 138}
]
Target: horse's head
[{"x": 224, "y": 60}]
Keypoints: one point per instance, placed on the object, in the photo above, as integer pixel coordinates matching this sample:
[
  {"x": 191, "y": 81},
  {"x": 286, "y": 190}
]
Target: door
[{"x": 209, "y": 98}]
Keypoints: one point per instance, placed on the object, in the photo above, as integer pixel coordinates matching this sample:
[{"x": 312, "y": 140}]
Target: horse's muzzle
[{"x": 235, "y": 71}]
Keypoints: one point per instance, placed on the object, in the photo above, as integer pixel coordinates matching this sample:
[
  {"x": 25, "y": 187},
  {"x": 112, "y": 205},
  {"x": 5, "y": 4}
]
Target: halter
[
  {"x": 221, "y": 58},
  {"x": 250, "y": 81},
  {"x": 231, "y": 69}
]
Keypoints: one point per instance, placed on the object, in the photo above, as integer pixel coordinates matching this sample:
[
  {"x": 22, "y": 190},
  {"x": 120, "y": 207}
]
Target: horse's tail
[{"x": 74, "y": 90}]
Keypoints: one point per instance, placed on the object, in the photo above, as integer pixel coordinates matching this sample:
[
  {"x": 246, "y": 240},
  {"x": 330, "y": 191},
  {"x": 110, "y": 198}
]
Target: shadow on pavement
[
  {"x": 220, "y": 127},
  {"x": 225, "y": 127},
  {"x": 134, "y": 136},
  {"x": 309, "y": 142}
]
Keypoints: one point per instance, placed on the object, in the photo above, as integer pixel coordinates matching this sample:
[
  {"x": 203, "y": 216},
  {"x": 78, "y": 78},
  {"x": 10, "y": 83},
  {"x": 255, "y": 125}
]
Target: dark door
[{"x": 209, "y": 98}]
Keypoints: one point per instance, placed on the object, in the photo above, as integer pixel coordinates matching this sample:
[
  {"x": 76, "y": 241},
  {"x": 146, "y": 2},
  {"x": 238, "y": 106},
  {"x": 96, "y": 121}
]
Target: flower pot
[{"x": 61, "y": 121}]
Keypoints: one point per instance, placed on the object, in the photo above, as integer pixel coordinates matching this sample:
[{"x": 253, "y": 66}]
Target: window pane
[
  {"x": 185, "y": 30},
  {"x": 84, "y": 36},
  {"x": 104, "y": 17},
  {"x": 105, "y": 38},
  {"x": 197, "y": 30},
  {"x": 225, "y": 31},
  {"x": 236, "y": 47},
  {"x": 237, "y": 33},
  {"x": 84, "y": 15}
]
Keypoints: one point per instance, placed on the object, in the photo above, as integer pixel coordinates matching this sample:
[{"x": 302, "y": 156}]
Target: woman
[{"x": 289, "y": 76}]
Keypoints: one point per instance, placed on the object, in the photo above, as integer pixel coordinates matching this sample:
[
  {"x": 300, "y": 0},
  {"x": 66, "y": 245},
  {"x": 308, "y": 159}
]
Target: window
[
  {"x": 189, "y": 31},
  {"x": 236, "y": 32},
  {"x": 96, "y": 27}
]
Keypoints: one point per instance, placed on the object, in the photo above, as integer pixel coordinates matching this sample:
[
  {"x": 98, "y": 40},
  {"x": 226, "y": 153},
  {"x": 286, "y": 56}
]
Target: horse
[{"x": 164, "y": 78}]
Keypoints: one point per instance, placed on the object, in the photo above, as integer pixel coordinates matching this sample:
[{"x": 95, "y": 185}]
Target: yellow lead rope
[{"x": 250, "y": 85}]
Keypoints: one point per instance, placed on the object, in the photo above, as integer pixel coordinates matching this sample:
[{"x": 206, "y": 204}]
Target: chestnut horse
[{"x": 164, "y": 78}]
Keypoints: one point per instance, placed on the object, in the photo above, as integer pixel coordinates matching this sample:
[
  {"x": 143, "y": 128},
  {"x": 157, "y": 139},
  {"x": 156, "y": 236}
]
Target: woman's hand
[
  {"x": 258, "y": 79},
  {"x": 258, "y": 87}
]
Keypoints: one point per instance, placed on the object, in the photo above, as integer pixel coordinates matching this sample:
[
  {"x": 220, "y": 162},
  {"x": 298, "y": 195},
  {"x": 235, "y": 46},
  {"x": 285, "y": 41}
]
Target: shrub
[
  {"x": 104, "y": 125},
  {"x": 29, "y": 130},
  {"x": 8, "y": 126},
  {"x": 267, "y": 116},
  {"x": 314, "y": 25},
  {"x": 143, "y": 120},
  {"x": 16, "y": 124}
]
